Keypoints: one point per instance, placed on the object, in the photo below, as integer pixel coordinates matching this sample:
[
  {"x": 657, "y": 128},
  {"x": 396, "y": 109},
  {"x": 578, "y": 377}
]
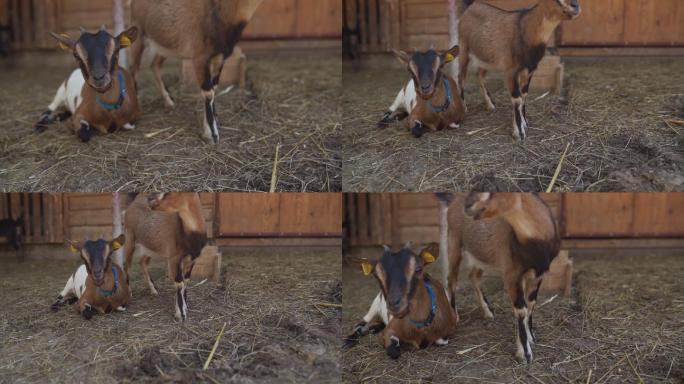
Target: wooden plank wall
[
  {"x": 89, "y": 215},
  {"x": 280, "y": 215},
  {"x": 281, "y": 19},
  {"x": 41, "y": 213},
  {"x": 378, "y": 23}
]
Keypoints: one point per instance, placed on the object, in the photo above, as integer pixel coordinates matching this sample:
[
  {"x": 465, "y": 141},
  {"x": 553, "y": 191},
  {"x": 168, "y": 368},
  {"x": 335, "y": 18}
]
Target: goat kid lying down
[
  {"x": 411, "y": 307},
  {"x": 99, "y": 285},
  {"x": 430, "y": 99}
]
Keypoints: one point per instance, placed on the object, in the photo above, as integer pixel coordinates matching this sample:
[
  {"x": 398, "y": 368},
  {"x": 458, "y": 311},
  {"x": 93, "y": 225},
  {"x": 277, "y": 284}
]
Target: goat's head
[
  {"x": 97, "y": 256},
  {"x": 489, "y": 205},
  {"x": 565, "y": 9},
  {"x": 98, "y": 54},
  {"x": 398, "y": 274},
  {"x": 425, "y": 68}
]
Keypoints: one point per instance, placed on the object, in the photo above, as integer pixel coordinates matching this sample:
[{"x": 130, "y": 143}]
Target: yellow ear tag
[
  {"x": 74, "y": 249},
  {"x": 62, "y": 45},
  {"x": 428, "y": 257},
  {"x": 124, "y": 41},
  {"x": 116, "y": 245},
  {"x": 450, "y": 57},
  {"x": 367, "y": 268}
]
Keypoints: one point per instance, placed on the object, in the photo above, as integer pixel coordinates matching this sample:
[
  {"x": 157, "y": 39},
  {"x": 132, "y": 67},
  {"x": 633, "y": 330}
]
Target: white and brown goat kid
[
  {"x": 431, "y": 98},
  {"x": 203, "y": 31},
  {"x": 510, "y": 234},
  {"x": 512, "y": 42},
  {"x": 411, "y": 307},
  {"x": 99, "y": 95},
  {"x": 99, "y": 284},
  {"x": 168, "y": 235}
]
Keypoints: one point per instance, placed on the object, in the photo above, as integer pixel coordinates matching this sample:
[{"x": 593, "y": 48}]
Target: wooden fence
[{"x": 394, "y": 218}]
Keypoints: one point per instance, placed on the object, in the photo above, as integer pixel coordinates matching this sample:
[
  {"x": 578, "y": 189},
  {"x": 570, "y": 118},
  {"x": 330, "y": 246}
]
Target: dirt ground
[
  {"x": 623, "y": 119},
  {"x": 622, "y": 324},
  {"x": 292, "y": 99},
  {"x": 281, "y": 308}
]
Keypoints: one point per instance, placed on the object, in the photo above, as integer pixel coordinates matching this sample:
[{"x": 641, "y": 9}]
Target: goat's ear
[
  {"x": 429, "y": 253},
  {"x": 402, "y": 56},
  {"x": 450, "y": 55},
  {"x": 118, "y": 242},
  {"x": 127, "y": 37},
  {"x": 65, "y": 42},
  {"x": 74, "y": 246},
  {"x": 364, "y": 264}
]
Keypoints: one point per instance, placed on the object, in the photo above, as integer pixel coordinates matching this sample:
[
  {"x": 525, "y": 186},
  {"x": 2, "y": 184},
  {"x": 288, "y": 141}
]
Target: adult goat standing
[
  {"x": 204, "y": 31},
  {"x": 513, "y": 42}
]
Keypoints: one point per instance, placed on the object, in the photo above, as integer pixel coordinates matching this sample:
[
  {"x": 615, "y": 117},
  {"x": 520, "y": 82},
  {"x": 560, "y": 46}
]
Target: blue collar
[
  {"x": 449, "y": 98},
  {"x": 433, "y": 307},
  {"x": 122, "y": 95},
  {"x": 116, "y": 284}
]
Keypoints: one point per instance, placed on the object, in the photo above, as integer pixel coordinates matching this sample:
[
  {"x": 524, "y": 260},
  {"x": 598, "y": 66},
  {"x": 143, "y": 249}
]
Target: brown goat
[
  {"x": 204, "y": 31},
  {"x": 431, "y": 99},
  {"x": 512, "y": 42},
  {"x": 411, "y": 306},
  {"x": 100, "y": 94},
  {"x": 512, "y": 234},
  {"x": 151, "y": 232}
]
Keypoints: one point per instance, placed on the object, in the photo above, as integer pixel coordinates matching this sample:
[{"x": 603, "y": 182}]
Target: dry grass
[
  {"x": 293, "y": 101},
  {"x": 623, "y": 119},
  {"x": 622, "y": 324},
  {"x": 280, "y": 307}
]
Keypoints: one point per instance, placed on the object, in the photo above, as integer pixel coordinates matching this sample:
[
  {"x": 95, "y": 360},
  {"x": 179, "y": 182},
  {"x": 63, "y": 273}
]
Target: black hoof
[
  {"x": 39, "y": 128},
  {"x": 386, "y": 120},
  {"x": 88, "y": 313},
  {"x": 54, "y": 307},
  {"x": 393, "y": 350},
  {"x": 84, "y": 134},
  {"x": 417, "y": 131}
]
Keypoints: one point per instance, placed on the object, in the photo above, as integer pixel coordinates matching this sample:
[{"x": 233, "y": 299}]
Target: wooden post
[
  {"x": 453, "y": 36},
  {"x": 118, "y": 28},
  {"x": 117, "y": 226}
]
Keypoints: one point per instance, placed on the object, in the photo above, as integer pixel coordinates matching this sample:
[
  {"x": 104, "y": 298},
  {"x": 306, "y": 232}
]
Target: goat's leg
[
  {"x": 129, "y": 248},
  {"x": 369, "y": 324},
  {"x": 181, "y": 308},
  {"x": 50, "y": 115},
  {"x": 85, "y": 308},
  {"x": 62, "y": 298},
  {"x": 482, "y": 76},
  {"x": 516, "y": 292},
  {"x": 82, "y": 128},
  {"x": 135, "y": 54},
  {"x": 476, "y": 278},
  {"x": 397, "y": 110},
  {"x": 519, "y": 122},
  {"x": 526, "y": 80},
  {"x": 463, "y": 61},
  {"x": 531, "y": 295},
  {"x": 145, "y": 262},
  {"x": 207, "y": 71},
  {"x": 157, "y": 64},
  {"x": 451, "y": 267}
]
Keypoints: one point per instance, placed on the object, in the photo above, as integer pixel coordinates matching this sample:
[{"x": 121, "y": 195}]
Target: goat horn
[
  {"x": 103, "y": 27},
  {"x": 83, "y": 30},
  {"x": 408, "y": 245},
  {"x": 386, "y": 248}
]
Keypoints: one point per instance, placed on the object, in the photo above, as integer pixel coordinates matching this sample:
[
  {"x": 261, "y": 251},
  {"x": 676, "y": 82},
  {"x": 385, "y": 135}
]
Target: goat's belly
[
  {"x": 474, "y": 262},
  {"x": 74, "y": 90},
  {"x": 477, "y": 63},
  {"x": 166, "y": 52},
  {"x": 141, "y": 250}
]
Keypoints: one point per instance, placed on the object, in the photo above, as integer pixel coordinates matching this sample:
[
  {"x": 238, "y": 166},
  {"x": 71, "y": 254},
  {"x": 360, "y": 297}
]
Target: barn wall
[
  {"x": 373, "y": 219},
  {"x": 603, "y": 23},
  {"x": 274, "y": 20}
]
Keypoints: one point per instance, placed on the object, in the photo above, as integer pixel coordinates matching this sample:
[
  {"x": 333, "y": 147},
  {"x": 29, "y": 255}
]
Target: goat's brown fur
[
  {"x": 204, "y": 31},
  {"x": 513, "y": 235},
  {"x": 91, "y": 297},
  {"x": 512, "y": 42}
]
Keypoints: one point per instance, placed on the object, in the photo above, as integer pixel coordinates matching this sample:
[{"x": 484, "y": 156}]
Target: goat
[
  {"x": 10, "y": 229},
  {"x": 153, "y": 232},
  {"x": 512, "y": 42},
  {"x": 412, "y": 307},
  {"x": 437, "y": 105},
  {"x": 109, "y": 101},
  {"x": 512, "y": 234},
  {"x": 99, "y": 284},
  {"x": 204, "y": 31}
]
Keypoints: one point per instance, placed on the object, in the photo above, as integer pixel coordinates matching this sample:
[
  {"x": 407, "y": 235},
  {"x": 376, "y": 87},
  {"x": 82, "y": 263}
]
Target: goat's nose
[
  {"x": 395, "y": 302},
  {"x": 96, "y": 77}
]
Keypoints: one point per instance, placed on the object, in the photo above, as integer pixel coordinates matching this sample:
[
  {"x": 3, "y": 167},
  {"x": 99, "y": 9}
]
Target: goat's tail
[
  {"x": 462, "y": 5},
  {"x": 445, "y": 200}
]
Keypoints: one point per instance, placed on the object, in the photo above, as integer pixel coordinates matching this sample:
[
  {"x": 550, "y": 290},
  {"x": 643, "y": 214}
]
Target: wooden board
[
  {"x": 288, "y": 19},
  {"x": 280, "y": 215}
]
